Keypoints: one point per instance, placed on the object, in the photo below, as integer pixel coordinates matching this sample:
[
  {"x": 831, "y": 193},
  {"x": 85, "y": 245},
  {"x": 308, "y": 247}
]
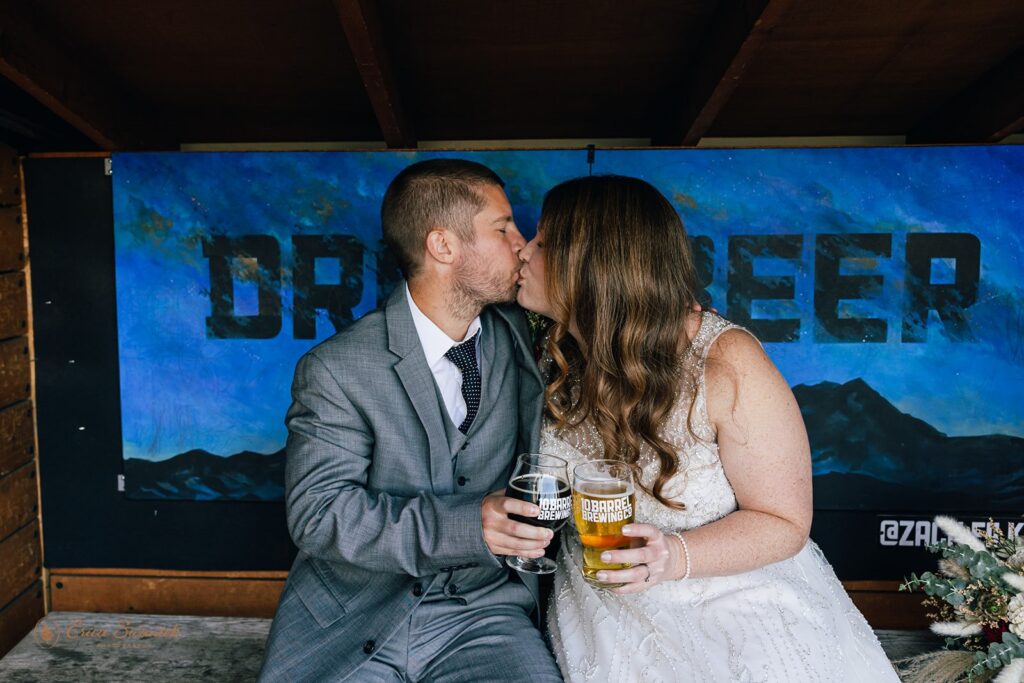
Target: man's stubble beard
[{"x": 473, "y": 289}]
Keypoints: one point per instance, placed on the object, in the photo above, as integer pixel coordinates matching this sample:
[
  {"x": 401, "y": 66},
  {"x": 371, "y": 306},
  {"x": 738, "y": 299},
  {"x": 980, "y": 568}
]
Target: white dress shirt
[{"x": 447, "y": 375}]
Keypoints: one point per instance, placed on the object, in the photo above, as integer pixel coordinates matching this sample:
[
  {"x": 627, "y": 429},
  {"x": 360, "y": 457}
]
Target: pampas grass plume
[
  {"x": 1011, "y": 673},
  {"x": 955, "y": 629},
  {"x": 958, "y": 533},
  {"x": 1014, "y": 580}
]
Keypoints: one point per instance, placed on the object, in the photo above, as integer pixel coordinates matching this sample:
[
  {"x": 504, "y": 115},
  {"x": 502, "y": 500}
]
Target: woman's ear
[{"x": 440, "y": 246}]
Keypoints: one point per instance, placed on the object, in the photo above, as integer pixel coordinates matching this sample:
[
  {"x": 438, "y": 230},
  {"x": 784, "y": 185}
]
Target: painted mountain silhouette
[
  {"x": 199, "y": 475},
  {"x": 868, "y": 454}
]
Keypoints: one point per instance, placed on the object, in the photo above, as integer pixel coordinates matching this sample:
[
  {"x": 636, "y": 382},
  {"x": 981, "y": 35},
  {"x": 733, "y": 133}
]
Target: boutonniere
[{"x": 539, "y": 326}]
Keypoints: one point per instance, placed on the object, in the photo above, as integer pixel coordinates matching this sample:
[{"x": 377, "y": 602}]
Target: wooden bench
[{"x": 89, "y": 646}]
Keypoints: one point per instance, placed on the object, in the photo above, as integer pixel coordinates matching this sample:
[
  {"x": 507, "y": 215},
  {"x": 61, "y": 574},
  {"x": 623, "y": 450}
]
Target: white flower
[
  {"x": 1015, "y": 614},
  {"x": 955, "y": 629},
  {"x": 958, "y": 533}
]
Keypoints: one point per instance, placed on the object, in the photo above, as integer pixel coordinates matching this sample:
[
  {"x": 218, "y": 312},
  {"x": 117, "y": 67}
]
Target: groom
[{"x": 399, "y": 427}]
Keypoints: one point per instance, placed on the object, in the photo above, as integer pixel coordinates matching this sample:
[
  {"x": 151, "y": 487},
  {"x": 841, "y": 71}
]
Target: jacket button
[
  {"x": 464, "y": 446},
  {"x": 417, "y": 589},
  {"x": 369, "y": 646},
  {"x": 461, "y": 481},
  {"x": 451, "y": 589}
]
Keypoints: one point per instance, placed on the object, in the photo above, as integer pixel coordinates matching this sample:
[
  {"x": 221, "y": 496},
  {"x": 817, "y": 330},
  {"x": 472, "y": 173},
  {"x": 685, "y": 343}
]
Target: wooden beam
[
  {"x": 362, "y": 29},
  {"x": 229, "y": 594},
  {"x": 63, "y": 83},
  {"x": 988, "y": 110},
  {"x": 737, "y": 31}
]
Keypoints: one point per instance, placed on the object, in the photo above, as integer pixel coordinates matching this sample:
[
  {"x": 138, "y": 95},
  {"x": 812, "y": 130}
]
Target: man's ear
[{"x": 441, "y": 245}]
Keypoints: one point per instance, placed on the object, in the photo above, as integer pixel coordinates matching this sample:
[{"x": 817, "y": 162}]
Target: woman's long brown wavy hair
[{"x": 618, "y": 267}]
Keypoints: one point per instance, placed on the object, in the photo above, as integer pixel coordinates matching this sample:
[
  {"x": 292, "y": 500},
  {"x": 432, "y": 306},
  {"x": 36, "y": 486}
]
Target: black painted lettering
[
  {"x": 949, "y": 300},
  {"x": 830, "y": 287},
  {"x": 266, "y": 273},
  {"x": 744, "y": 286},
  {"x": 338, "y": 299},
  {"x": 703, "y": 250}
]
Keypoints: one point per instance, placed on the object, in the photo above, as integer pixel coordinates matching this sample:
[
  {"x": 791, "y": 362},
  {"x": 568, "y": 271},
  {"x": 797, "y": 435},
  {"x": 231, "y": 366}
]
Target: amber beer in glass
[{"x": 603, "y": 500}]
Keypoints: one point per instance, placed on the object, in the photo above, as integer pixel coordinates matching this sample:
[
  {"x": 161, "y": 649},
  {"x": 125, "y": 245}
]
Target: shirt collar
[{"x": 433, "y": 339}]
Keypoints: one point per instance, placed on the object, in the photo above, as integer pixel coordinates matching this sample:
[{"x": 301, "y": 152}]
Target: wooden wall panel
[
  {"x": 15, "y": 371},
  {"x": 10, "y": 180},
  {"x": 196, "y": 593},
  {"x": 884, "y": 607},
  {"x": 12, "y": 244},
  {"x": 21, "y": 563},
  {"x": 17, "y": 440},
  {"x": 13, "y": 305},
  {"x": 19, "y": 617},
  {"x": 18, "y": 496}
]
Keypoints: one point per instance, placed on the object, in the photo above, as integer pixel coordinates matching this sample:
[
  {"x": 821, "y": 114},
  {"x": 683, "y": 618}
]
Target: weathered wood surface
[
  {"x": 20, "y": 565},
  {"x": 902, "y": 644},
  {"x": 18, "y": 499},
  {"x": 85, "y": 647},
  {"x": 16, "y": 437},
  {"x": 18, "y": 618},
  {"x": 15, "y": 373},
  {"x": 154, "y": 594},
  {"x": 13, "y": 305},
  {"x": 12, "y": 239}
]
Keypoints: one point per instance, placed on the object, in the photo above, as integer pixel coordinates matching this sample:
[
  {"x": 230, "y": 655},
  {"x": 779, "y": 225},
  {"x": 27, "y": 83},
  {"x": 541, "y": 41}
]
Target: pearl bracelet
[{"x": 686, "y": 553}]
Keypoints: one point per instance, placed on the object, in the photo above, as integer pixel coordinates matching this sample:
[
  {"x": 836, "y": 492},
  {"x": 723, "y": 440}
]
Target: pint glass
[{"x": 602, "y": 503}]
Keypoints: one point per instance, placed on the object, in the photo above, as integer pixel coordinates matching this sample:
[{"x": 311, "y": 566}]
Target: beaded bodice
[{"x": 700, "y": 483}]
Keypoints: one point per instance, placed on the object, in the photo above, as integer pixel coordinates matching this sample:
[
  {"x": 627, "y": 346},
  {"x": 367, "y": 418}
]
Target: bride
[{"x": 723, "y": 583}]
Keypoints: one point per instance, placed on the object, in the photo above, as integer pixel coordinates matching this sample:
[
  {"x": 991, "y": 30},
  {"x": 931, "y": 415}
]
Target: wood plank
[
  {"x": 172, "y": 573},
  {"x": 15, "y": 371},
  {"x": 362, "y": 28},
  {"x": 10, "y": 180},
  {"x": 17, "y": 437},
  {"x": 737, "y": 32},
  {"x": 20, "y": 562},
  {"x": 12, "y": 239},
  {"x": 79, "y": 646},
  {"x": 18, "y": 499},
  {"x": 891, "y": 610},
  {"x": 165, "y": 595},
  {"x": 19, "y": 617},
  {"x": 13, "y": 305},
  {"x": 988, "y": 110}
]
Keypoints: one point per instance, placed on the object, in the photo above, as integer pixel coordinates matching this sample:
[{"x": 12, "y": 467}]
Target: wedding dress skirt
[{"x": 790, "y": 621}]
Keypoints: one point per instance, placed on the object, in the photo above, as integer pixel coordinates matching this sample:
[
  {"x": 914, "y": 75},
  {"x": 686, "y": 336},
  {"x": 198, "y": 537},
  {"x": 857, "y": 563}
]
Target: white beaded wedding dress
[{"x": 790, "y": 621}]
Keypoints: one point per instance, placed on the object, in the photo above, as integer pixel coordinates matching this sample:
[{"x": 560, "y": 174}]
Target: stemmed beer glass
[{"x": 543, "y": 480}]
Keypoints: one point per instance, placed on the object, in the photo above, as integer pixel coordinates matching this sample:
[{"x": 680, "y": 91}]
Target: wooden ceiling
[{"x": 123, "y": 74}]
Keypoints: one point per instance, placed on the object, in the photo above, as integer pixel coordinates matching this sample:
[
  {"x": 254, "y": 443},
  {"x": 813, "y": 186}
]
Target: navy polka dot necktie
[{"x": 464, "y": 357}]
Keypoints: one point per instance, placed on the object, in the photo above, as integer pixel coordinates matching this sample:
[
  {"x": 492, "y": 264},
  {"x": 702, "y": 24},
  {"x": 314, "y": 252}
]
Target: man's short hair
[{"x": 431, "y": 194}]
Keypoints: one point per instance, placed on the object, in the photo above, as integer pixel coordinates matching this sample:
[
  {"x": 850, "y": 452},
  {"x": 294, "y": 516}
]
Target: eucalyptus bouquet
[{"x": 977, "y": 597}]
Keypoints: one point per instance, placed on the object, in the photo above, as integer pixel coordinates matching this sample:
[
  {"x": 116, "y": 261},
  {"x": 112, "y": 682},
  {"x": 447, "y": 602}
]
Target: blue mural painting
[{"x": 885, "y": 283}]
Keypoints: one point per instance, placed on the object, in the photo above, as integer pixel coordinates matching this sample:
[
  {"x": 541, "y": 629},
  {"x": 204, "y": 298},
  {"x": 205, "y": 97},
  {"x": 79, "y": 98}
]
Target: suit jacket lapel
[
  {"x": 419, "y": 384},
  {"x": 531, "y": 385}
]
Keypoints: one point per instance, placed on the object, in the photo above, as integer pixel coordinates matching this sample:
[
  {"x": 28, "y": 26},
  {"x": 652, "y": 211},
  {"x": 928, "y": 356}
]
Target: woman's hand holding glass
[{"x": 655, "y": 557}]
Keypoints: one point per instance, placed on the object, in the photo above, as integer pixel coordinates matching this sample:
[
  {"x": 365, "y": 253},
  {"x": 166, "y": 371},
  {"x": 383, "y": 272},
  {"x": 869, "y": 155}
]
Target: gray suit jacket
[{"x": 369, "y": 490}]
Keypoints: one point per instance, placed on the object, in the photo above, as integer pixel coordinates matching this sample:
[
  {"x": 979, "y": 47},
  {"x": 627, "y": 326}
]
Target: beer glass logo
[
  {"x": 554, "y": 509},
  {"x": 604, "y": 511}
]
